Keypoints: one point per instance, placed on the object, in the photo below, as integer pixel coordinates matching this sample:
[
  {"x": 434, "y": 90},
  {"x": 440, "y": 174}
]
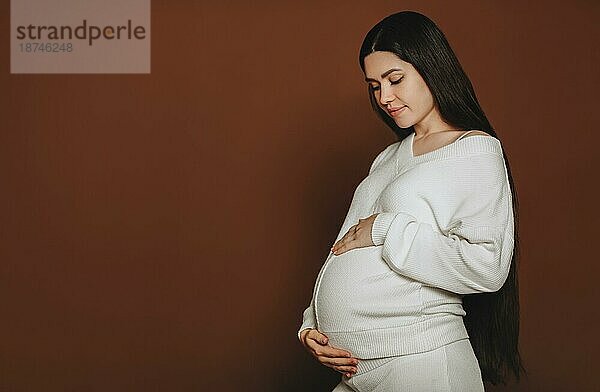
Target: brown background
[{"x": 163, "y": 232}]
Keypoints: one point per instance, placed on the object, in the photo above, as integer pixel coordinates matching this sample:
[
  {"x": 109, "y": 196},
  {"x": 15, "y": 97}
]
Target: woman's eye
[{"x": 375, "y": 88}]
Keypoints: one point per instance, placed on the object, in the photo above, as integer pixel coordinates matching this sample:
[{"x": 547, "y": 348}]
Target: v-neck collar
[{"x": 471, "y": 143}]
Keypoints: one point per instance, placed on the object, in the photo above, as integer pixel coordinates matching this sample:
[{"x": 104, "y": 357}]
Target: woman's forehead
[{"x": 377, "y": 64}]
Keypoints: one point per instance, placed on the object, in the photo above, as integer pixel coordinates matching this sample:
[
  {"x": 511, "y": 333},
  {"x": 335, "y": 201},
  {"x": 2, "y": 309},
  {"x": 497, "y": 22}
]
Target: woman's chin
[{"x": 402, "y": 123}]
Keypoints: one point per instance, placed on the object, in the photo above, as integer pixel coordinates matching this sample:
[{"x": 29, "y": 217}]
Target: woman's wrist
[{"x": 303, "y": 333}]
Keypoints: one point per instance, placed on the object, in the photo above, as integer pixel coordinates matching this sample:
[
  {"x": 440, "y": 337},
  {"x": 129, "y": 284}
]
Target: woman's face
[{"x": 397, "y": 84}]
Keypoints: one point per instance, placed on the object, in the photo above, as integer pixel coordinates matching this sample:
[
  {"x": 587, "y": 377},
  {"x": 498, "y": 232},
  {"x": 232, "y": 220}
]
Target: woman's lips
[{"x": 395, "y": 112}]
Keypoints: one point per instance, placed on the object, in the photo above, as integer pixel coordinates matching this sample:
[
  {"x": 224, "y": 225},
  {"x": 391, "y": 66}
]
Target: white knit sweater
[{"x": 445, "y": 228}]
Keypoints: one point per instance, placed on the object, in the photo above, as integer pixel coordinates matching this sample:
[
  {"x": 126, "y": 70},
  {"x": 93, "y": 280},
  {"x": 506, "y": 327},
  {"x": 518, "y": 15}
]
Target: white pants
[{"x": 450, "y": 368}]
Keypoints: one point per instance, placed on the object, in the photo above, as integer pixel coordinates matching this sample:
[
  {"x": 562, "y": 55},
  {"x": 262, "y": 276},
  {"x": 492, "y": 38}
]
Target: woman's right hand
[{"x": 318, "y": 345}]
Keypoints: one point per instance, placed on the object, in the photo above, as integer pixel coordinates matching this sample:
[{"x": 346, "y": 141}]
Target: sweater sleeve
[
  {"x": 471, "y": 255},
  {"x": 308, "y": 318}
]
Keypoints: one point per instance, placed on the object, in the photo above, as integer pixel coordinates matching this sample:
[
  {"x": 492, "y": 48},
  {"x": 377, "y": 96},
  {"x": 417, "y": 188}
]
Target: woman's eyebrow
[{"x": 383, "y": 75}]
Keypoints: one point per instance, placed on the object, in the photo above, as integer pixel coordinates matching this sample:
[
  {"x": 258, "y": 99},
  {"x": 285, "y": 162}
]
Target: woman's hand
[
  {"x": 358, "y": 236},
  {"x": 317, "y": 344}
]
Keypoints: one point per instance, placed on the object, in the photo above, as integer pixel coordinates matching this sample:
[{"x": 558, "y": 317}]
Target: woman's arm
[
  {"x": 308, "y": 319},
  {"x": 465, "y": 260},
  {"x": 472, "y": 254}
]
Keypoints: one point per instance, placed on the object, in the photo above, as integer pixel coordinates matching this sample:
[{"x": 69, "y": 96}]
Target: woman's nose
[{"x": 386, "y": 96}]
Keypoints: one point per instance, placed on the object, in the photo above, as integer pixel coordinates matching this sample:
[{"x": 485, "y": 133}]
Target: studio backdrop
[{"x": 172, "y": 183}]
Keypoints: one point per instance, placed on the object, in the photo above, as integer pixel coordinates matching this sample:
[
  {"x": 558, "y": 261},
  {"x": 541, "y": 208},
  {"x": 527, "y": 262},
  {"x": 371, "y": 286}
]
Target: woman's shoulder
[
  {"x": 475, "y": 132},
  {"x": 383, "y": 154},
  {"x": 471, "y": 142}
]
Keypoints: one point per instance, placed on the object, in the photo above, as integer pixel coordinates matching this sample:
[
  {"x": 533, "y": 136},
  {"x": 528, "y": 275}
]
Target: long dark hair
[{"x": 492, "y": 319}]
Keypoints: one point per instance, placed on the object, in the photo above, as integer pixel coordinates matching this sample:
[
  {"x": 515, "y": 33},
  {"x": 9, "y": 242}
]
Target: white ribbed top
[{"x": 444, "y": 229}]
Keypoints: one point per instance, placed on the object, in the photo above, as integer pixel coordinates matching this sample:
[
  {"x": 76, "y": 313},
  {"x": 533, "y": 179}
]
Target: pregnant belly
[{"x": 359, "y": 291}]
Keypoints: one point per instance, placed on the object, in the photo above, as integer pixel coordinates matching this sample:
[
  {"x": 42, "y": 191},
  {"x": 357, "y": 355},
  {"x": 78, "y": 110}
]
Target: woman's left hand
[{"x": 358, "y": 236}]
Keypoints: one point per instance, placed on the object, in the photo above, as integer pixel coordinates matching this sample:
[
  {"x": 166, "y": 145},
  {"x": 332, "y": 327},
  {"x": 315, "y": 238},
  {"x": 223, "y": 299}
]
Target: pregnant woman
[{"x": 419, "y": 292}]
